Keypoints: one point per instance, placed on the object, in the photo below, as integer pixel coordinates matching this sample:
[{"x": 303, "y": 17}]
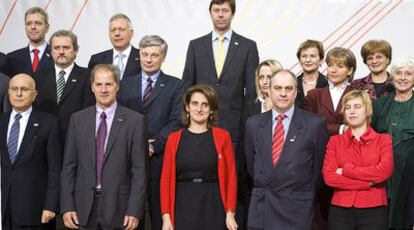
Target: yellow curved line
[
  {"x": 238, "y": 19},
  {"x": 257, "y": 21},
  {"x": 291, "y": 24}
]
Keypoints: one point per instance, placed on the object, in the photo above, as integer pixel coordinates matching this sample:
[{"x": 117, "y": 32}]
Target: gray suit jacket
[
  {"x": 124, "y": 170},
  {"x": 283, "y": 196}
]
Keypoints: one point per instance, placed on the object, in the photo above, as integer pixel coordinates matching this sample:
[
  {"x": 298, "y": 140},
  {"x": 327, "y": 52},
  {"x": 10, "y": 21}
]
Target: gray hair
[
  {"x": 401, "y": 63},
  {"x": 289, "y": 73},
  {"x": 39, "y": 10},
  {"x": 109, "y": 68},
  {"x": 121, "y": 16},
  {"x": 65, "y": 33},
  {"x": 153, "y": 40}
]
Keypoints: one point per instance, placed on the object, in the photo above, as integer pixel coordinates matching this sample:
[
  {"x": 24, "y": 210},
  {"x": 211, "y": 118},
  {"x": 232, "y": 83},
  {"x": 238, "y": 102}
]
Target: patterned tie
[
  {"x": 148, "y": 91},
  {"x": 278, "y": 139},
  {"x": 100, "y": 147},
  {"x": 60, "y": 84},
  {"x": 14, "y": 138},
  {"x": 120, "y": 63},
  {"x": 35, "y": 62},
  {"x": 219, "y": 55}
]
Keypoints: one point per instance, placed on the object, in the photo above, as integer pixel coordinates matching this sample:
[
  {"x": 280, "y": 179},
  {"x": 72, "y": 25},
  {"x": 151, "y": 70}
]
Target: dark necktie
[
  {"x": 35, "y": 62},
  {"x": 148, "y": 91},
  {"x": 13, "y": 140},
  {"x": 60, "y": 84},
  {"x": 100, "y": 147},
  {"x": 278, "y": 139}
]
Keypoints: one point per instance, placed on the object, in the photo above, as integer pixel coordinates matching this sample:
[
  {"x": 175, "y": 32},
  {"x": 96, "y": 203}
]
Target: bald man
[{"x": 31, "y": 158}]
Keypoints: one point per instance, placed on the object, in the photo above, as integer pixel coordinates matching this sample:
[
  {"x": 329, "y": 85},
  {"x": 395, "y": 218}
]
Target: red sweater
[
  {"x": 364, "y": 161},
  {"x": 226, "y": 171}
]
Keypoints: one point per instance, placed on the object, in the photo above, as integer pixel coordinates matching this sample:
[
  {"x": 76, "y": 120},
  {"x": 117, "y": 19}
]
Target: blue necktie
[{"x": 14, "y": 138}]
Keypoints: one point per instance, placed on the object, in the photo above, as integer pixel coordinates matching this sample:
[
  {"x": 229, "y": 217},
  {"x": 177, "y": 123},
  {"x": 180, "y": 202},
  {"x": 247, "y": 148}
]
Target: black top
[
  {"x": 379, "y": 88},
  {"x": 300, "y": 98}
]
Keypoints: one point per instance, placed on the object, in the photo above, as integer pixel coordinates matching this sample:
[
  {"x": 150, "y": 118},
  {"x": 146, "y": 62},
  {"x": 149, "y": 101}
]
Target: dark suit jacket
[
  {"x": 283, "y": 196},
  {"x": 124, "y": 169},
  {"x": 31, "y": 184},
  {"x": 162, "y": 111},
  {"x": 319, "y": 101},
  {"x": 2, "y": 62},
  {"x": 133, "y": 66},
  {"x": 235, "y": 86},
  {"x": 19, "y": 62},
  {"x": 4, "y": 85},
  {"x": 77, "y": 94},
  {"x": 300, "y": 98}
]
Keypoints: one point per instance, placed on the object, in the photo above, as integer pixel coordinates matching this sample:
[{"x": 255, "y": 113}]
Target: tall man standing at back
[
  {"x": 36, "y": 55},
  {"x": 226, "y": 61},
  {"x": 104, "y": 173},
  {"x": 123, "y": 54}
]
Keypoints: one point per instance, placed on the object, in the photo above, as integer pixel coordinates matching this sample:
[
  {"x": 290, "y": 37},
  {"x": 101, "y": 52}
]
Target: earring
[{"x": 188, "y": 115}]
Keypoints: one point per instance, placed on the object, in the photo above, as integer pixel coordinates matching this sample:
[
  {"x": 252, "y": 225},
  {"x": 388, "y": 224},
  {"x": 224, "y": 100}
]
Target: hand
[
  {"x": 151, "y": 149},
  {"x": 230, "y": 221},
  {"x": 130, "y": 222},
  {"x": 70, "y": 219},
  {"x": 339, "y": 171},
  {"x": 166, "y": 222},
  {"x": 47, "y": 216}
]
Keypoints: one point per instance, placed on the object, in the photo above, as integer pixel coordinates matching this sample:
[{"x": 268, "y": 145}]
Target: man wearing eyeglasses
[
  {"x": 31, "y": 158},
  {"x": 123, "y": 54}
]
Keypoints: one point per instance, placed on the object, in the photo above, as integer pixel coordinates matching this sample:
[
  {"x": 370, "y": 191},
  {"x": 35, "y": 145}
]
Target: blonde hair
[{"x": 274, "y": 66}]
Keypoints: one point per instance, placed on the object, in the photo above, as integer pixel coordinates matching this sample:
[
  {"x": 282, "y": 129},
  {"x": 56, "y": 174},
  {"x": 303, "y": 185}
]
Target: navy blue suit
[
  {"x": 283, "y": 196},
  {"x": 19, "y": 61},
  {"x": 162, "y": 114}
]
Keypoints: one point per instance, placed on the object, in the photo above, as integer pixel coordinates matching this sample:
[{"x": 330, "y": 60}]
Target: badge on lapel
[
  {"x": 36, "y": 124},
  {"x": 236, "y": 43}
]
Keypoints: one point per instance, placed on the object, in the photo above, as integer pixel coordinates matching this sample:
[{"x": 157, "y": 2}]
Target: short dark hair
[
  {"x": 37, "y": 10},
  {"x": 212, "y": 98},
  {"x": 66, "y": 33},
  {"x": 108, "y": 67},
  {"x": 311, "y": 44},
  {"x": 373, "y": 46},
  {"x": 232, "y": 4}
]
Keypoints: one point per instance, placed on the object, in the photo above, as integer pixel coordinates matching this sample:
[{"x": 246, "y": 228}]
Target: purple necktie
[
  {"x": 148, "y": 91},
  {"x": 100, "y": 147}
]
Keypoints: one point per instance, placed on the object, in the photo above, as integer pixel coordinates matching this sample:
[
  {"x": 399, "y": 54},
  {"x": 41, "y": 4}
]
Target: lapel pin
[
  {"x": 136, "y": 59},
  {"x": 35, "y": 124},
  {"x": 74, "y": 80},
  {"x": 120, "y": 120},
  {"x": 293, "y": 139},
  {"x": 47, "y": 54},
  {"x": 236, "y": 43},
  {"x": 162, "y": 85}
]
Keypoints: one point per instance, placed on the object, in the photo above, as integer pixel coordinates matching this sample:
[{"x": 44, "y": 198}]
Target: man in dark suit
[
  {"x": 125, "y": 56},
  {"x": 104, "y": 174},
  {"x": 2, "y": 61},
  {"x": 63, "y": 88},
  {"x": 158, "y": 97},
  {"x": 35, "y": 56},
  {"x": 226, "y": 61},
  {"x": 4, "y": 83},
  {"x": 285, "y": 149},
  {"x": 31, "y": 158}
]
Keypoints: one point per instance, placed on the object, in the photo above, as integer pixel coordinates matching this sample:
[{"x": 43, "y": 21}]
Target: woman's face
[
  {"x": 265, "y": 73},
  {"x": 338, "y": 72},
  {"x": 199, "y": 109},
  {"x": 310, "y": 60},
  {"x": 355, "y": 113},
  {"x": 377, "y": 62},
  {"x": 403, "y": 79}
]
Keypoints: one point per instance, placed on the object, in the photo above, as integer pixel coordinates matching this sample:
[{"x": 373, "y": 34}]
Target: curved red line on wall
[
  {"x": 8, "y": 16},
  {"x": 47, "y": 4},
  {"x": 78, "y": 15}
]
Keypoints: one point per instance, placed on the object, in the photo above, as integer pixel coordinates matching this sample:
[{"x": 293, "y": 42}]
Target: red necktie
[
  {"x": 35, "y": 62},
  {"x": 278, "y": 139}
]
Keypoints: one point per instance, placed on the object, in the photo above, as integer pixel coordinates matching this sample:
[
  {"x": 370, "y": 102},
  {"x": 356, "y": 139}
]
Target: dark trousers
[
  {"x": 358, "y": 218},
  {"x": 8, "y": 223},
  {"x": 96, "y": 219},
  {"x": 155, "y": 206}
]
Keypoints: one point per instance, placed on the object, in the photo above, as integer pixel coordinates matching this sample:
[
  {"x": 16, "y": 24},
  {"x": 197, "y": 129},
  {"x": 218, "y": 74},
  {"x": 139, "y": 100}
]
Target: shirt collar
[
  {"x": 227, "y": 35},
  {"x": 331, "y": 85},
  {"x": 126, "y": 52},
  {"x": 109, "y": 111},
  {"x": 154, "y": 77},
  {"x": 288, "y": 113},
  {"x": 24, "y": 113},
  {"x": 41, "y": 48},
  {"x": 365, "y": 138},
  {"x": 67, "y": 70}
]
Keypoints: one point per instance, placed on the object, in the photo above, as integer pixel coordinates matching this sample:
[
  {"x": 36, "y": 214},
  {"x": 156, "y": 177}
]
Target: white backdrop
[{"x": 278, "y": 26}]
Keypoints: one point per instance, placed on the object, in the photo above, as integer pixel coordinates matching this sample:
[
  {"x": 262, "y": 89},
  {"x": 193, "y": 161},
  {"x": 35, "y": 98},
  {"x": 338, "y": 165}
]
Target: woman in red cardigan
[
  {"x": 357, "y": 163},
  {"x": 198, "y": 179}
]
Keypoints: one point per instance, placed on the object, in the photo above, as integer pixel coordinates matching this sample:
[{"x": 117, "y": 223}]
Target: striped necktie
[
  {"x": 60, "y": 84},
  {"x": 13, "y": 140},
  {"x": 147, "y": 91},
  {"x": 278, "y": 139}
]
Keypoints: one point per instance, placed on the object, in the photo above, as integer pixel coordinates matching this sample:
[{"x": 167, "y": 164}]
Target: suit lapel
[
  {"x": 159, "y": 86},
  {"x": 3, "y": 136},
  {"x": 72, "y": 81},
  {"x": 209, "y": 53},
  {"x": 28, "y": 61},
  {"x": 264, "y": 139},
  {"x": 90, "y": 123},
  {"x": 29, "y": 135},
  {"x": 327, "y": 99},
  {"x": 117, "y": 122},
  {"x": 232, "y": 50},
  {"x": 44, "y": 59},
  {"x": 132, "y": 62}
]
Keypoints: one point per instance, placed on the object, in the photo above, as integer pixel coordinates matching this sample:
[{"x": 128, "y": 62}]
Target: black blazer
[
  {"x": 236, "y": 84},
  {"x": 162, "y": 111},
  {"x": 19, "y": 62},
  {"x": 4, "y": 85},
  {"x": 77, "y": 94},
  {"x": 300, "y": 97},
  {"x": 2, "y": 62},
  {"x": 31, "y": 184},
  {"x": 133, "y": 66}
]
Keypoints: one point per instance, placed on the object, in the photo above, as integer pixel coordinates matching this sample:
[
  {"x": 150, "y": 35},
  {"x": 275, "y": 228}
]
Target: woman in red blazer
[
  {"x": 198, "y": 178},
  {"x": 357, "y": 163}
]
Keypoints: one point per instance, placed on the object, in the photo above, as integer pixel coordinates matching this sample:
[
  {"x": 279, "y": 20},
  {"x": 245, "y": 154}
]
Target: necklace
[{"x": 309, "y": 82}]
